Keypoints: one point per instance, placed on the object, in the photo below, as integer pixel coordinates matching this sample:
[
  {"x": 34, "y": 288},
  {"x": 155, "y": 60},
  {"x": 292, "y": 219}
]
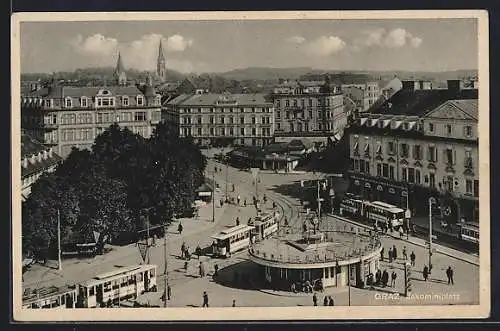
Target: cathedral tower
[
  {"x": 120, "y": 75},
  {"x": 161, "y": 67}
]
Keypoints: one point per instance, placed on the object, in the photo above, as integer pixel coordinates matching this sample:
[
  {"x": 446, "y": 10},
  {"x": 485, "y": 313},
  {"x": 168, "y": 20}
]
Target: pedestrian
[
  {"x": 202, "y": 270},
  {"x": 449, "y": 274},
  {"x": 221, "y": 203},
  {"x": 412, "y": 258},
  {"x": 325, "y": 301},
  {"x": 233, "y": 189},
  {"x": 169, "y": 292},
  {"x": 180, "y": 228},
  {"x": 401, "y": 232},
  {"x": 405, "y": 254},
  {"x": 234, "y": 303},
  {"x": 394, "y": 252},
  {"x": 239, "y": 198},
  {"x": 183, "y": 250},
  {"x": 186, "y": 266},
  {"x": 382, "y": 254},
  {"x": 245, "y": 203},
  {"x": 304, "y": 227},
  {"x": 390, "y": 255},
  {"x": 425, "y": 273},
  {"x": 205, "y": 299},
  {"x": 393, "y": 278},
  {"x": 315, "y": 299},
  {"x": 216, "y": 270},
  {"x": 265, "y": 199},
  {"x": 330, "y": 301},
  {"x": 385, "y": 278},
  {"x": 237, "y": 221},
  {"x": 378, "y": 276}
]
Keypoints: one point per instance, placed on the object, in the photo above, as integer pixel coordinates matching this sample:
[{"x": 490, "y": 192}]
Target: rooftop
[
  {"x": 77, "y": 91},
  {"x": 335, "y": 246},
  {"x": 212, "y": 99},
  {"x": 419, "y": 102}
]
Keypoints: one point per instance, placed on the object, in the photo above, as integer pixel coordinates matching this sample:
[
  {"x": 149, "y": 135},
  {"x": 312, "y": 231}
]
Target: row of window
[
  {"x": 139, "y": 116},
  {"x": 305, "y": 127},
  {"x": 223, "y": 120},
  {"x": 226, "y": 110},
  {"x": 310, "y": 102},
  {"x": 301, "y": 114},
  {"x": 467, "y": 129},
  {"x": 103, "y": 101},
  {"x": 414, "y": 176},
  {"x": 449, "y": 154},
  {"x": 77, "y": 134},
  {"x": 266, "y": 132}
]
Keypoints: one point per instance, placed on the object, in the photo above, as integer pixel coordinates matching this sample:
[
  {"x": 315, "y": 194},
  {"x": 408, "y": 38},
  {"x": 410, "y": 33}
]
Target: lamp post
[
  {"x": 59, "y": 265},
  {"x": 432, "y": 201}
]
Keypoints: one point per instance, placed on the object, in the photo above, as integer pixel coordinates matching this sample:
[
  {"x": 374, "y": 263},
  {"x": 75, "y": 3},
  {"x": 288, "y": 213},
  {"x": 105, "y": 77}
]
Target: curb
[{"x": 409, "y": 241}]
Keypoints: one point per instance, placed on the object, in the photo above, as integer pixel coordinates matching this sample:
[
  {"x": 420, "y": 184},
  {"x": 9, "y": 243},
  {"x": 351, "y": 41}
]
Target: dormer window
[
  {"x": 68, "y": 102},
  {"x": 84, "y": 102},
  {"x": 125, "y": 101},
  {"x": 140, "y": 100}
]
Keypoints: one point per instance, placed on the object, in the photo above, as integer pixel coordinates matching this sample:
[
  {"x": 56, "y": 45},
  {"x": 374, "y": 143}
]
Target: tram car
[
  {"x": 469, "y": 232},
  {"x": 231, "y": 240},
  {"x": 380, "y": 212},
  {"x": 119, "y": 284},
  {"x": 351, "y": 205},
  {"x": 50, "y": 298},
  {"x": 265, "y": 225}
]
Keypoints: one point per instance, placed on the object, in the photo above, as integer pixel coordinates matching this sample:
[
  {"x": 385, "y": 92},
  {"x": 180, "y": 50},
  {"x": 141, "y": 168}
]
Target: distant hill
[{"x": 339, "y": 76}]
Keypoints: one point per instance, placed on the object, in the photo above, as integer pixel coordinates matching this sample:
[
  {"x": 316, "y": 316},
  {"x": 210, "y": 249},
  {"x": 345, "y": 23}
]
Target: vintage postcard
[{"x": 250, "y": 166}]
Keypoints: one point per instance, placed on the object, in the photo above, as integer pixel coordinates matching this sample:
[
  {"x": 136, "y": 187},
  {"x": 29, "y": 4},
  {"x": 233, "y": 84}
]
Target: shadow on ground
[{"x": 241, "y": 275}]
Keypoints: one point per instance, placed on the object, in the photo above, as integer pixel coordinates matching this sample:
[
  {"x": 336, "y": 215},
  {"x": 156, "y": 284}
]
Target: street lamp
[{"x": 432, "y": 201}]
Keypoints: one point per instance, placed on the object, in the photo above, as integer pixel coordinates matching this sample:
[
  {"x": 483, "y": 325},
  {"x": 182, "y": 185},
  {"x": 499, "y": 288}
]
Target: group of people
[
  {"x": 382, "y": 278},
  {"x": 327, "y": 301}
]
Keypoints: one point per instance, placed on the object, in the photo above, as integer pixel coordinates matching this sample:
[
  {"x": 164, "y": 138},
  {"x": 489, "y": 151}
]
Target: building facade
[
  {"x": 222, "y": 119},
  {"x": 363, "y": 95},
  {"x": 36, "y": 159},
  {"x": 308, "y": 109},
  {"x": 422, "y": 143}
]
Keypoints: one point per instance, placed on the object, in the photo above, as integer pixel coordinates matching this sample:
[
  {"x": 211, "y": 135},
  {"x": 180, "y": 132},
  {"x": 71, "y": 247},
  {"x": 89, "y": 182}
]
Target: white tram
[
  {"x": 50, "y": 298},
  {"x": 470, "y": 232},
  {"x": 113, "y": 286},
  {"x": 231, "y": 239},
  {"x": 265, "y": 225},
  {"x": 377, "y": 211}
]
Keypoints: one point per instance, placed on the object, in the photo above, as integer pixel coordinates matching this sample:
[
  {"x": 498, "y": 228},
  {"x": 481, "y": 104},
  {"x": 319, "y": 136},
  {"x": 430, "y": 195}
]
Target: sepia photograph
[{"x": 250, "y": 166}]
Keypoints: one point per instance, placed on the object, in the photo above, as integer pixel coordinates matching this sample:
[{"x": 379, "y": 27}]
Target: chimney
[
  {"x": 454, "y": 85},
  {"x": 410, "y": 85}
]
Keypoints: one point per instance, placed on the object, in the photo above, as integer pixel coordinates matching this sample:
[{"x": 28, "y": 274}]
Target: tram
[
  {"x": 377, "y": 211},
  {"x": 121, "y": 283},
  {"x": 50, "y": 298},
  {"x": 265, "y": 225},
  {"x": 351, "y": 205},
  {"x": 231, "y": 239},
  {"x": 470, "y": 232}
]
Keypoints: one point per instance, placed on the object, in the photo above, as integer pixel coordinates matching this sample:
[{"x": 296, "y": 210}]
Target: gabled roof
[
  {"x": 419, "y": 102},
  {"x": 455, "y": 109},
  {"x": 30, "y": 146}
]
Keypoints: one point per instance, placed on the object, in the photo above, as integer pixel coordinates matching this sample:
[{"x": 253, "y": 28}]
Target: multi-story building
[
  {"x": 363, "y": 95},
  {"x": 64, "y": 116},
  {"x": 308, "y": 109},
  {"x": 36, "y": 159},
  {"x": 222, "y": 119},
  {"x": 419, "y": 143}
]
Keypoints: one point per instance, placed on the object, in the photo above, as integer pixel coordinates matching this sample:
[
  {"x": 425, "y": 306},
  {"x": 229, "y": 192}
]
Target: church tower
[
  {"x": 120, "y": 75},
  {"x": 161, "y": 67}
]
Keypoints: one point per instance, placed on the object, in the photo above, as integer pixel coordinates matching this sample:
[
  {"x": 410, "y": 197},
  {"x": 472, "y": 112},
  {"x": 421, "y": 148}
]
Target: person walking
[
  {"x": 405, "y": 254},
  {"x": 449, "y": 274},
  {"x": 331, "y": 302},
  {"x": 315, "y": 299},
  {"x": 202, "y": 270},
  {"x": 180, "y": 228},
  {"x": 382, "y": 255},
  {"x": 412, "y": 258},
  {"x": 239, "y": 199},
  {"x": 234, "y": 303},
  {"x": 237, "y": 221},
  {"x": 394, "y": 252},
  {"x": 325, "y": 301},
  {"x": 216, "y": 270},
  {"x": 245, "y": 203},
  {"x": 385, "y": 278},
  {"x": 183, "y": 250},
  {"x": 390, "y": 255},
  {"x": 393, "y": 278},
  {"x": 169, "y": 292},
  {"x": 425, "y": 273},
  {"x": 378, "y": 276},
  {"x": 205, "y": 299}
]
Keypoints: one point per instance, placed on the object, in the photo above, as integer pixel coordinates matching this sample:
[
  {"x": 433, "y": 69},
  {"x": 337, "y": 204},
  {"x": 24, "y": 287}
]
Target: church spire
[
  {"x": 120, "y": 75},
  {"x": 161, "y": 67}
]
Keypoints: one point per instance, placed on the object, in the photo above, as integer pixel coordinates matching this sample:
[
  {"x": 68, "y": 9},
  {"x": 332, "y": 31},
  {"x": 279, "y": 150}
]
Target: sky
[{"x": 219, "y": 46}]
